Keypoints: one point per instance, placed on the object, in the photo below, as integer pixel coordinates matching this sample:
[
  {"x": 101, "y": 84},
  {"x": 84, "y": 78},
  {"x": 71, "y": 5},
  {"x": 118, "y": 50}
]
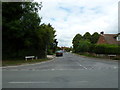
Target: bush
[
  {"x": 91, "y": 49},
  {"x": 107, "y": 49},
  {"x": 84, "y": 46}
]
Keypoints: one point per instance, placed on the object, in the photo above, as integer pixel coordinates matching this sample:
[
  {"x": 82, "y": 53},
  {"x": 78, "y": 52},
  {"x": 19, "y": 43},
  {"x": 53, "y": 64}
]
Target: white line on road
[
  {"x": 42, "y": 70},
  {"x": 52, "y": 69},
  {"x": 115, "y": 67},
  {"x": 81, "y": 65},
  {"x": 27, "y": 82},
  {"x": 41, "y": 82}
]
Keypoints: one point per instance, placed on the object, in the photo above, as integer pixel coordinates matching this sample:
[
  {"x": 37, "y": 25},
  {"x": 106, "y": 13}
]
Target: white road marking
[
  {"x": 81, "y": 65},
  {"x": 27, "y": 82},
  {"x": 52, "y": 69},
  {"x": 56, "y": 69},
  {"x": 82, "y": 81},
  {"x": 115, "y": 67},
  {"x": 84, "y": 67},
  {"x": 40, "y": 82},
  {"x": 41, "y": 70}
]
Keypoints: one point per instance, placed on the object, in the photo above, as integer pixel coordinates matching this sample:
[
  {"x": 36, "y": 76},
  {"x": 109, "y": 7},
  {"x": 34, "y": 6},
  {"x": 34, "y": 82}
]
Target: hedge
[{"x": 107, "y": 49}]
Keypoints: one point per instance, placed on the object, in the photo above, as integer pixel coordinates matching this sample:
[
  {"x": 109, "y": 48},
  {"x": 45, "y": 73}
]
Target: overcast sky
[{"x": 70, "y": 17}]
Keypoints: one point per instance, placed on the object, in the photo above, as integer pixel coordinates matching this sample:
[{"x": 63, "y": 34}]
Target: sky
[{"x": 70, "y": 17}]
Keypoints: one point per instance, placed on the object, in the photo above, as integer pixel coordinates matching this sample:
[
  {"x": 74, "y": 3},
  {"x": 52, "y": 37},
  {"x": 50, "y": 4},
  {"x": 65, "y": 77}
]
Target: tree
[
  {"x": 11, "y": 28},
  {"x": 47, "y": 35},
  {"x": 68, "y": 49},
  {"x": 84, "y": 46},
  {"x": 22, "y": 32},
  {"x": 94, "y": 38},
  {"x": 20, "y": 23},
  {"x": 75, "y": 42},
  {"x": 87, "y": 36}
]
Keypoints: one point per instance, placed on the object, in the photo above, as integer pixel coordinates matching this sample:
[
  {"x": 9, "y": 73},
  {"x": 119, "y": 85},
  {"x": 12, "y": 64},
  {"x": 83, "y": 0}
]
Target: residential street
[{"x": 69, "y": 71}]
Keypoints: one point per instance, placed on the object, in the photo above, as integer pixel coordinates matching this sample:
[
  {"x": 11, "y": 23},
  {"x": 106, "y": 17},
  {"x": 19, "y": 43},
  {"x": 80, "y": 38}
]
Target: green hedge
[
  {"x": 107, "y": 49},
  {"x": 84, "y": 46}
]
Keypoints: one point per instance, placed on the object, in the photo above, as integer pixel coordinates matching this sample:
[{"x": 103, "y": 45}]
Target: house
[{"x": 109, "y": 39}]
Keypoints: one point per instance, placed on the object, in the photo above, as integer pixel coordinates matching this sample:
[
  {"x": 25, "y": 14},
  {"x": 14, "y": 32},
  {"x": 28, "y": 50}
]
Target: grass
[
  {"x": 20, "y": 62},
  {"x": 104, "y": 57},
  {"x": 88, "y": 55}
]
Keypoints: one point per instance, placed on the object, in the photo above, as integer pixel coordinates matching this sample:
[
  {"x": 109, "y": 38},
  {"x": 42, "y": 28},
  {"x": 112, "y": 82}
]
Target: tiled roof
[{"x": 110, "y": 38}]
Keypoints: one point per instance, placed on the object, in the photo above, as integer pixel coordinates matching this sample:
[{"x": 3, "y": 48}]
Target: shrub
[
  {"x": 107, "y": 49},
  {"x": 92, "y": 46},
  {"x": 84, "y": 46}
]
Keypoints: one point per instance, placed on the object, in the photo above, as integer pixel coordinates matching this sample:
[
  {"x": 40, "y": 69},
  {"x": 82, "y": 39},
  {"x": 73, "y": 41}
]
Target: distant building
[
  {"x": 63, "y": 48},
  {"x": 109, "y": 39}
]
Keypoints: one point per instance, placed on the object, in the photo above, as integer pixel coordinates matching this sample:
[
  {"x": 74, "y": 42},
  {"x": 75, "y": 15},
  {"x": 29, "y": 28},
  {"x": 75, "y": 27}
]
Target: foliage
[
  {"x": 84, "y": 46},
  {"x": 82, "y": 43},
  {"x": 87, "y": 43},
  {"x": 107, "y": 49},
  {"x": 87, "y": 36},
  {"x": 94, "y": 38},
  {"x": 59, "y": 48},
  {"x": 68, "y": 49},
  {"x": 46, "y": 35},
  {"x": 92, "y": 47},
  {"x": 22, "y": 33},
  {"x": 50, "y": 52},
  {"x": 75, "y": 42}
]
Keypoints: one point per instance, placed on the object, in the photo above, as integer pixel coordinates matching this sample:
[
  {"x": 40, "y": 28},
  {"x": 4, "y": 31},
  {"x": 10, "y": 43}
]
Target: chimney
[{"x": 102, "y": 33}]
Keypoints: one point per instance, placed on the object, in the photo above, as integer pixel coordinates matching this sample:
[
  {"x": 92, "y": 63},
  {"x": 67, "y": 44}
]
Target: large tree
[
  {"x": 75, "y": 42},
  {"x": 11, "y": 28},
  {"x": 22, "y": 32},
  {"x": 94, "y": 38},
  {"x": 87, "y": 36},
  {"x": 46, "y": 34}
]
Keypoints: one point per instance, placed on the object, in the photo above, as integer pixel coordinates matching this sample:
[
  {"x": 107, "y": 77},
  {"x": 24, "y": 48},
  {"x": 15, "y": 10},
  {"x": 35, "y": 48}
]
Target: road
[{"x": 69, "y": 71}]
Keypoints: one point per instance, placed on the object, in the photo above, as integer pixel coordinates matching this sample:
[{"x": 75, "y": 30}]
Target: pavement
[
  {"x": 69, "y": 71},
  {"x": 50, "y": 56}
]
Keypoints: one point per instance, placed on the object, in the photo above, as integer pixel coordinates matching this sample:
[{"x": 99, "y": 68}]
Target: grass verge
[
  {"x": 20, "y": 62},
  {"x": 88, "y": 55},
  {"x": 93, "y": 56}
]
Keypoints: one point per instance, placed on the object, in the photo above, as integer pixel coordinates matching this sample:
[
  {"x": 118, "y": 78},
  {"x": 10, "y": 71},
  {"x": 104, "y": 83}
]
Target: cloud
[
  {"x": 70, "y": 17},
  {"x": 65, "y": 9}
]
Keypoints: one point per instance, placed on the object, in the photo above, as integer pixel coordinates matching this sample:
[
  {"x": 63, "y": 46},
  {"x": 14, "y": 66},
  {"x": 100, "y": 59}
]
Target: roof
[{"x": 109, "y": 39}]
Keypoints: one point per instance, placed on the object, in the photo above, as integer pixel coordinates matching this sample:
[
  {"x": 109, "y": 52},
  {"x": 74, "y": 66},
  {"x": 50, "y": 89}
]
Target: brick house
[{"x": 109, "y": 39}]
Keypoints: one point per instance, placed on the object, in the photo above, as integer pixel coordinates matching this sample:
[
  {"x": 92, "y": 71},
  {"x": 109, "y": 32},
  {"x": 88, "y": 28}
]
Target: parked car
[{"x": 59, "y": 53}]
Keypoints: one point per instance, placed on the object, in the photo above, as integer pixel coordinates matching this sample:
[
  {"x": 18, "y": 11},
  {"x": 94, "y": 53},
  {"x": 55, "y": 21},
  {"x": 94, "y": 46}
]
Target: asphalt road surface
[{"x": 69, "y": 71}]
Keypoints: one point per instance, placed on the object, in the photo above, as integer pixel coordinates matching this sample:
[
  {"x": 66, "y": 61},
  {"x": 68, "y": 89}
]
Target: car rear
[{"x": 59, "y": 53}]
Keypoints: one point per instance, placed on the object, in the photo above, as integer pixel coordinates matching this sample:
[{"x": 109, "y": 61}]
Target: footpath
[
  {"x": 34, "y": 61},
  {"x": 50, "y": 56}
]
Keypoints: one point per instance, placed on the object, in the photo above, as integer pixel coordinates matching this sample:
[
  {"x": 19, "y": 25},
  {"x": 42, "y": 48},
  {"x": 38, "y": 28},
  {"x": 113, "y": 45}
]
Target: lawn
[
  {"x": 102, "y": 57},
  {"x": 20, "y": 62}
]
